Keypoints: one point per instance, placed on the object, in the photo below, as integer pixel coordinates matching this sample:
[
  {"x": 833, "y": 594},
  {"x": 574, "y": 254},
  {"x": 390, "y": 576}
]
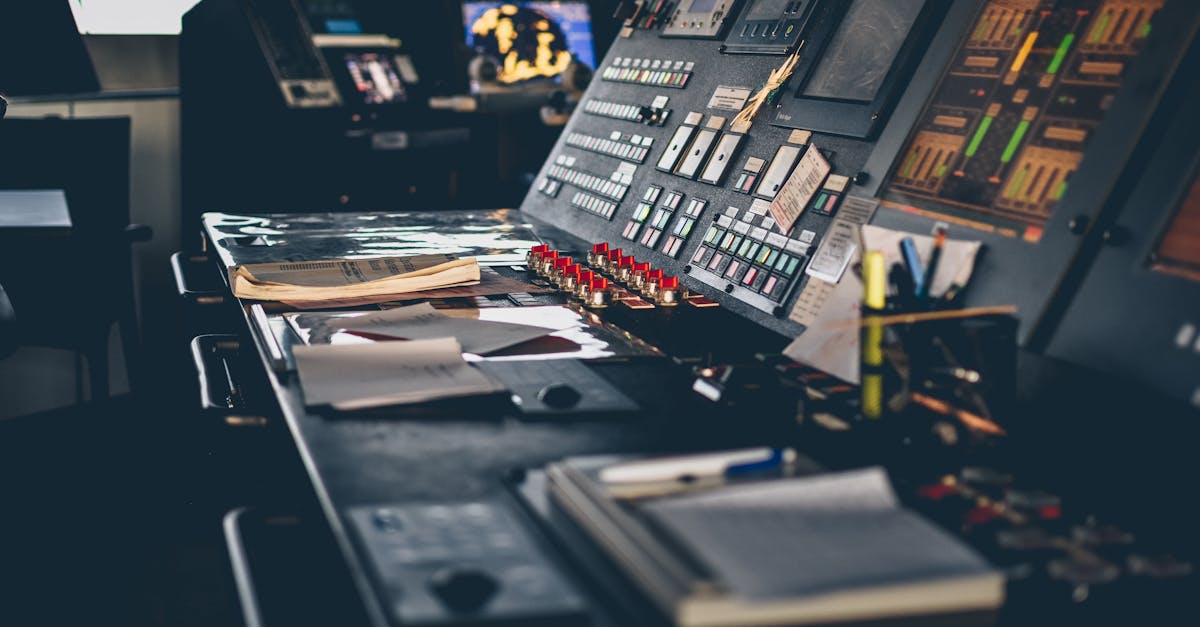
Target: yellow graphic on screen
[{"x": 527, "y": 43}]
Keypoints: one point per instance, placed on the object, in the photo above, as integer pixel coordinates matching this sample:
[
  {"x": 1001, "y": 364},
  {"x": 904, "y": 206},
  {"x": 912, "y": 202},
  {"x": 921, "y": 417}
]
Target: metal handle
[
  {"x": 198, "y": 297},
  {"x": 219, "y": 390},
  {"x": 240, "y": 561}
]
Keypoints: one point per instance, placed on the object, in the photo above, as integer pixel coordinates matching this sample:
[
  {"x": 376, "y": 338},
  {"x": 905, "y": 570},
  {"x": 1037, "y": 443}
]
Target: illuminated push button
[
  {"x": 598, "y": 255},
  {"x": 583, "y": 286},
  {"x": 769, "y": 284},
  {"x": 669, "y": 292},
  {"x": 599, "y": 296},
  {"x": 624, "y": 271}
]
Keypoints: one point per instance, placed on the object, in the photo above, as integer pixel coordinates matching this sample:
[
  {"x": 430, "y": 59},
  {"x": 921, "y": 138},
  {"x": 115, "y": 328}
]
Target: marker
[
  {"x": 874, "y": 302},
  {"x": 683, "y": 467},
  {"x": 939, "y": 241},
  {"x": 912, "y": 263},
  {"x": 901, "y": 280}
]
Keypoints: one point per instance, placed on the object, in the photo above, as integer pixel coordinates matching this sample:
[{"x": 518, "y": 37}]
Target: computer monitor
[
  {"x": 375, "y": 77},
  {"x": 1136, "y": 313},
  {"x": 855, "y": 71},
  {"x": 1033, "y": 101},
  {"x": 530, "y": 40}
]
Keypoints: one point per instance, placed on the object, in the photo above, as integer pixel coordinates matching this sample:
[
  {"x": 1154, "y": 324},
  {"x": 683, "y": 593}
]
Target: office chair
[{"x": 71, "y": 290}]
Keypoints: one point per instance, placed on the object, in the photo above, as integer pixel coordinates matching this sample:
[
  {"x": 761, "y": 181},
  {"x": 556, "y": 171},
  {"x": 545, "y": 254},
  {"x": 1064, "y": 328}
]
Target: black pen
[{"x": 935, "y": 257}]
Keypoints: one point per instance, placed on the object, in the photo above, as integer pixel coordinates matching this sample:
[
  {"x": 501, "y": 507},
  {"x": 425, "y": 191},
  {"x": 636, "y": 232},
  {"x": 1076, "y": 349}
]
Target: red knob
[
  {"x": 641, "y": 267},
  {"x": 600, "y": 248},
  {"x": 572, "y": 269},
  {"x": 669, "y": 282},
  {"x": 541, "y": 248},
  {"x": 656, "y": 273},
  {"x": 585, "y": 275},
  {"x": 626, "y": 261},
  {"x": 562, "y": 262},
  {"x": 552, "y": 254},
  {"x": 599, "y": 283},
  {"x": 614, "y": 255}
]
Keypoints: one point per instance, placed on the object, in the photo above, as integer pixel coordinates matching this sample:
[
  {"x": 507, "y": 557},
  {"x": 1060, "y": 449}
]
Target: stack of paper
[
  {"x": 814, "y": 550},
  {"x": 348, "y": 282},
  {"x": 359, "y": 376},
  {"x": 421, "y": 322}
]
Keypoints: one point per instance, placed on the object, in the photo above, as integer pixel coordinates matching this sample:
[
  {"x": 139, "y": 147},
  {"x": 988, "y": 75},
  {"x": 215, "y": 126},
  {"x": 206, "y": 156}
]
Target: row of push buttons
[
  {"x": 632, "y": 148},
  {"x": 675, "y": 74}
]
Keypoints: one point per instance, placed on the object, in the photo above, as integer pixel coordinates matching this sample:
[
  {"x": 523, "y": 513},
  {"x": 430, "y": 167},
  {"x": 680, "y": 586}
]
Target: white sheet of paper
[
  {"x": 842, "y": 242},
  {"x": 358, "y": 376},
  {"x": 421, "y": 322},
  {"x": 836, "y": 351}
]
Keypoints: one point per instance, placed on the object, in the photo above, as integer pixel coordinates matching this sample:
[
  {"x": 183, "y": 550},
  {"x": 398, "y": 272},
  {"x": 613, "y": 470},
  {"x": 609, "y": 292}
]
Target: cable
[{"x": 778, "y": 77}]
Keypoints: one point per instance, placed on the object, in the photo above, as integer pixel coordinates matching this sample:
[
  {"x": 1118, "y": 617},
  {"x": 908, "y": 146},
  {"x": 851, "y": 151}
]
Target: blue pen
[
  {"x": 912, "y": 262},
  {"x": 778, "y": 457}
]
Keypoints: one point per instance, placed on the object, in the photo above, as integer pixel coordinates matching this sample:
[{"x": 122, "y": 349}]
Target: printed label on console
[
  {"x": 729, "y": 98},
  {"x": 796, "y": 193}
]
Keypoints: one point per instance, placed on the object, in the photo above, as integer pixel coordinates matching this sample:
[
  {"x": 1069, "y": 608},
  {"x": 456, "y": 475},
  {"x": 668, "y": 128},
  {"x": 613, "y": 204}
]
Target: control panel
[
  {"x": 692, "y": 152},
  {"x": 734, "y": 145}
]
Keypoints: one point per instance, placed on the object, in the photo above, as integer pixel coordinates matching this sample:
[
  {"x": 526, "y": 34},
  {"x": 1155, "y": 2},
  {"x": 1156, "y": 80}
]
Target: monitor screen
[
  {"x": 1178, "y": 251},
  {"x": 863, "y": 50},
  {"x": 375, "y": 78},
  {"x": 530, "y": 40},
  {"x": 1014, "y": 114}
]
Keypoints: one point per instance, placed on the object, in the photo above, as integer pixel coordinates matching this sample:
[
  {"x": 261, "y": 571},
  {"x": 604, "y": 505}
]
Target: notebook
[{"x": 820, "y": 549}]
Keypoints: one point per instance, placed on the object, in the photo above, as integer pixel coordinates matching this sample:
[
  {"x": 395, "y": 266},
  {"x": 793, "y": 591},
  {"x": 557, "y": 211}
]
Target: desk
[
  {"x": 399, "y": 456},
  {"x": 34, "y": 212},
  {"x": 354, "y": 461}
]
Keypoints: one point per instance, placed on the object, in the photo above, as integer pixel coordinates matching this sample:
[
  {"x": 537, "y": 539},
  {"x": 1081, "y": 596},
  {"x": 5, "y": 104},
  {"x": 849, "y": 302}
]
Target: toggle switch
[
  {"x": 535, "y": 253},
  {"x": 612, "y": 261},
  {"x": 653, "y": 279},
  {"x": 599, "y": 296},
  {"x": 638, "y": 278},
  {"x": 583, "y": 284},
  {"x": 598, "y": 255},
  {"x": 569, "y": 277},
  {"x": 624, "y": 271},
  {"x": 547, "y": 264},
  {"x": 669, "y": 292}
]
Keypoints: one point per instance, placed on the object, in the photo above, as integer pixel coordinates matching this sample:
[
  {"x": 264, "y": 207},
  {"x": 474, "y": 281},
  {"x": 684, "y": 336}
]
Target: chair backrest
[{"x": 86, "y": 157}]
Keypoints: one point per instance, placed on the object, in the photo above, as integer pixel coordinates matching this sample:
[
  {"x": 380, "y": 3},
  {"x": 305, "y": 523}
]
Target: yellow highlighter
[{"x": 874, "y": 302}]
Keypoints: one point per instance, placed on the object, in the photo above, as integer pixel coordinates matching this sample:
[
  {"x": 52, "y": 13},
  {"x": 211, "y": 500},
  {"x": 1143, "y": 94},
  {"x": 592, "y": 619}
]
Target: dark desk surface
[
  {"x": 397, "y": 456},
  {"x": 42, "y": 211},
  {"x": 357, "y": 460}
]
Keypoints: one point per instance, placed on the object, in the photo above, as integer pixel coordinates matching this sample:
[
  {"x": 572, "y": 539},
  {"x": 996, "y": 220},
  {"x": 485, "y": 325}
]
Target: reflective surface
[
  {"x": 579, "y": 334},
  {"x": 495, "y": 237}
]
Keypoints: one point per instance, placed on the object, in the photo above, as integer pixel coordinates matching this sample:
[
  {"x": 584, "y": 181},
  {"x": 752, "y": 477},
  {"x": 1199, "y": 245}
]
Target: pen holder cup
[{"x": 965, "y": 363}]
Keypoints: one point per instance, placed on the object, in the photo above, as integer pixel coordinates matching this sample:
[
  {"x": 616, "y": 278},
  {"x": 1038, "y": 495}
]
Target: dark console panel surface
[{"x": 1001, "y": 120}]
